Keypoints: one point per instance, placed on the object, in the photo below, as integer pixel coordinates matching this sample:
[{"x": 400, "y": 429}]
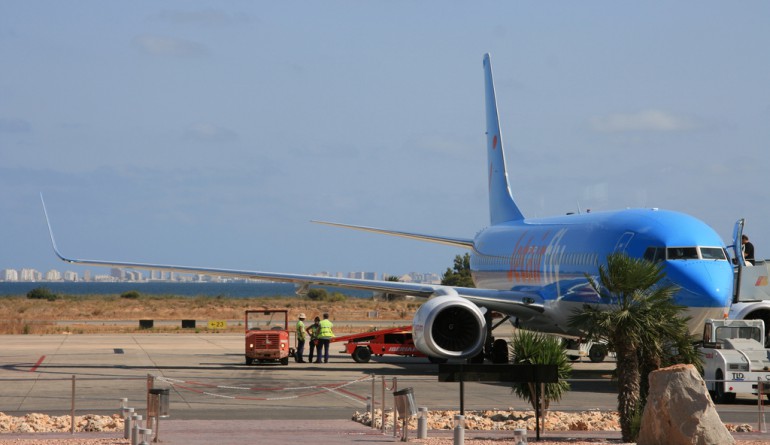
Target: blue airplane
[{"x": 531, "y": 270}]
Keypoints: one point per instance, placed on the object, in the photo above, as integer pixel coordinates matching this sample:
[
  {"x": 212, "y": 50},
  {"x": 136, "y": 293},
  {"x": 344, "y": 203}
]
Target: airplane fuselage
[{"x": 552, "y": 256}]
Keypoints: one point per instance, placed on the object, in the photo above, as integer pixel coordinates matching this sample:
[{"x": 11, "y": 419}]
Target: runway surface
[{"x": 208, "y": 380}]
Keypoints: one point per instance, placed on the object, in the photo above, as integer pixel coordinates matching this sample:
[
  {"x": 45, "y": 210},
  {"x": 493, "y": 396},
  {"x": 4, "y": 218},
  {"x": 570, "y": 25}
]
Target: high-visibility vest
[
  {"x": 301, "y": 330},
  {"x": 326, "y": 329}
]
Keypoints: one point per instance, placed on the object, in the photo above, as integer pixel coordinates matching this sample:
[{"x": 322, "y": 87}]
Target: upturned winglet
[{"x": 50, "y": 232}]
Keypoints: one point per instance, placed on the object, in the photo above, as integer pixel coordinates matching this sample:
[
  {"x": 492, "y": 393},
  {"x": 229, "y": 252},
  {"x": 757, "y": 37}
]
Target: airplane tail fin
[{"x": 502, "y": 208}]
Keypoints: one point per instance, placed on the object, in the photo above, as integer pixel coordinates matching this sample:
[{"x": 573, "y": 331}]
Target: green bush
[
  {"x": 318, "y": 294},
  {"x": 131, "y": 295},
  {"x": 323, "y": 295},
  {"x": 41, "y": 293}
]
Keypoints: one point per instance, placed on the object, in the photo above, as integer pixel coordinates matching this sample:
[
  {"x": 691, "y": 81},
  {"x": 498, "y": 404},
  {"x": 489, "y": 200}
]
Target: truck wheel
[
  {"x": 361, "y": 354},
  {"x": 720, "y": 395},
  {"x": 249, "y": 361},
  {"x": 597, "y": 353},
  {"x": 285, "y": 361}
]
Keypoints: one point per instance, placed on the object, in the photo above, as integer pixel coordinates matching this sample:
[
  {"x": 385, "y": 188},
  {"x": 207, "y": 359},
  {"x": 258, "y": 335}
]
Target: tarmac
[{"x": 216, "y": 399}]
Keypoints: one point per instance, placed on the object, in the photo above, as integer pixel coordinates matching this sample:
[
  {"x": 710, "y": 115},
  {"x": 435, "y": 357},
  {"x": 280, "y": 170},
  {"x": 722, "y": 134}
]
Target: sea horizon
[{"x": 181, "y": 289}]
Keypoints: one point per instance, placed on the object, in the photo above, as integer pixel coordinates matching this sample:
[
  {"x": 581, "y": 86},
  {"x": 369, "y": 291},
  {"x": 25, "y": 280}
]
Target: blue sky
[{"x": 210, "y": 133}]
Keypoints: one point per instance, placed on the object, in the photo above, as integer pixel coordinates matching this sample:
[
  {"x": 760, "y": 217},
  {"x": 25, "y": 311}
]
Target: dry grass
[{"x": 112, "y": 314}]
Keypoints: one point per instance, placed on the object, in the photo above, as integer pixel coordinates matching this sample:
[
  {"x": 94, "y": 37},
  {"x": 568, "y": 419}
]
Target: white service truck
[
  {"x": 735, "y": 359},
  {"x": 576, "y": 349}
]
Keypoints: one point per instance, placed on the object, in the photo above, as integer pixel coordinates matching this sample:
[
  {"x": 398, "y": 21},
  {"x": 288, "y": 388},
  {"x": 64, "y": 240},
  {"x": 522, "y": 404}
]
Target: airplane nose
[
  {"x": 703, "y": 284},
  {"x": 705, "y": 289}
]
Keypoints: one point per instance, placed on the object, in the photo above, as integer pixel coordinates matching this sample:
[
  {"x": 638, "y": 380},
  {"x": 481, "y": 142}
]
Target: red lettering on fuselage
[{"x": 527, "y": 258}]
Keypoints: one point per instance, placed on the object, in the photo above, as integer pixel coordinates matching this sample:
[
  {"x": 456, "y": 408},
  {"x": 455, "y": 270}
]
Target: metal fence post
[
  {"x": 72, "y": 410},
  {"x": 395, "y": 413},
  {"x": 371, "y": 415},
  {"x": 761, "y": 426}
]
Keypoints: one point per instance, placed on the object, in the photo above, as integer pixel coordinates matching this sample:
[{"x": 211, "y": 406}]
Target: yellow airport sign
[{"x": 217, "y": 324}]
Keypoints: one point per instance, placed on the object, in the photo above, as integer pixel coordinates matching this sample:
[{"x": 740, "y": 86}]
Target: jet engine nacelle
[{"x": 449, "y": 327}]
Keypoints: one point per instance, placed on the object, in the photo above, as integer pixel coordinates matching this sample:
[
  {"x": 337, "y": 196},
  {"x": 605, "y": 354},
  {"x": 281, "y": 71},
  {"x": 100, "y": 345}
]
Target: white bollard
[
  {"x": 422, "y": 423},
  {"x": 145, "y": 432},
  {"x": 520, "y": 436},
  {"x": 137, "y": 421},
  {"x": 128, "y": 412},
  {"x": 459, "y": 432}
]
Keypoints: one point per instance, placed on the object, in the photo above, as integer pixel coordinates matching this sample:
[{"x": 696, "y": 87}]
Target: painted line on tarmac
[
  {"x": 336, "y": 388},
  {"x": 37, "y": 364}
]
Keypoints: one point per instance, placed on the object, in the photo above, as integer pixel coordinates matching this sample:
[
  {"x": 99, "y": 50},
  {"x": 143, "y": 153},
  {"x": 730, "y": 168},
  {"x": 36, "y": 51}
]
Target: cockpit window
[
  {"x": 655, "y": 254},
  {"x": 682, "y": 253},
  {"x": 712, "y": 253}
]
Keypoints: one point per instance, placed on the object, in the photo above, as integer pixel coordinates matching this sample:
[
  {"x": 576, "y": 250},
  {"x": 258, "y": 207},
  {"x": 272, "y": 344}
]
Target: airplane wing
[
  {"x": 454, "y": 242},
  {"x": 513, "y": 303}
]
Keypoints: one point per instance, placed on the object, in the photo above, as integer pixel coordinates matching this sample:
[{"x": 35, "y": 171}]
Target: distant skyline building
[
  {"x": 30, "y": 275},
  {"x": 53, "y": 275},
  {"x": 118, "y": 274},
  {"x": 10, "y": 275},
  {"x": 70, "y": 276}
]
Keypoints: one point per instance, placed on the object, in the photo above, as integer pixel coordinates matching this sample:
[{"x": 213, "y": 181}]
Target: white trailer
[{"x": 734, "y": 358}]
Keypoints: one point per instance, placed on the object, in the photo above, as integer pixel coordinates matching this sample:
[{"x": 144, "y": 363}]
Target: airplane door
[
  {"x": 737, "y": 258},
  {"x": 623, "y": 241},
  {"x": 737, "y": 244}
]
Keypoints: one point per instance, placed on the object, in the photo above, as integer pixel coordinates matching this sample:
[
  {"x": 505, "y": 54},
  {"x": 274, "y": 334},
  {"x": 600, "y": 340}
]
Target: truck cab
[
  {"x": 735, "y": 359},
  {"x": 267, "y": 336}
]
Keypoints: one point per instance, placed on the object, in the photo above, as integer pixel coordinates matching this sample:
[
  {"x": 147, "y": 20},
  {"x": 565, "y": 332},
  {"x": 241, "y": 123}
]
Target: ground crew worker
[
  {"x": 324, "y": 338},
  {"x": 300, "y": 337},
  {"x": 313, "y": 330}
]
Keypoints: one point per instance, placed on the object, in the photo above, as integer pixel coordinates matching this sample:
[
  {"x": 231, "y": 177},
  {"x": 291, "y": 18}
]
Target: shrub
[
  {"x": 323, "y": 295},
  {"x": 41, "y": 293},
  {"x": 318, "y": 294},
  {"x": 131, "y": 295}
]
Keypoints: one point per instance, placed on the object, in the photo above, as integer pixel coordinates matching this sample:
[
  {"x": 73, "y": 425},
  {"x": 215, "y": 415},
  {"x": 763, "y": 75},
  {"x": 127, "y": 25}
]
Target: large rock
[{"x": 680, "y": 411}]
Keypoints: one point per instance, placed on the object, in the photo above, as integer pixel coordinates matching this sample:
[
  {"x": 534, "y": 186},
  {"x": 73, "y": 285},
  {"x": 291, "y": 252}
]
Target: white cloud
[
  {"x": 645, "y": 120},
  {"x": 169, "y": 46},
  {"x": 208, "y": 132}
]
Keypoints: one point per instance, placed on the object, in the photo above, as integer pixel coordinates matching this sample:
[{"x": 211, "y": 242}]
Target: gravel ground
[
  {"x": 58, "y": 441},
  {"x": 440, "y": 437},
  {"x": 431, "y": 441}
]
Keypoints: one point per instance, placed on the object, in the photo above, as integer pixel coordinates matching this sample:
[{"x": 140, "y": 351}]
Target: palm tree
[
  {"x": 535, "y": 348},
  {"x": 642, "y": 325}
]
